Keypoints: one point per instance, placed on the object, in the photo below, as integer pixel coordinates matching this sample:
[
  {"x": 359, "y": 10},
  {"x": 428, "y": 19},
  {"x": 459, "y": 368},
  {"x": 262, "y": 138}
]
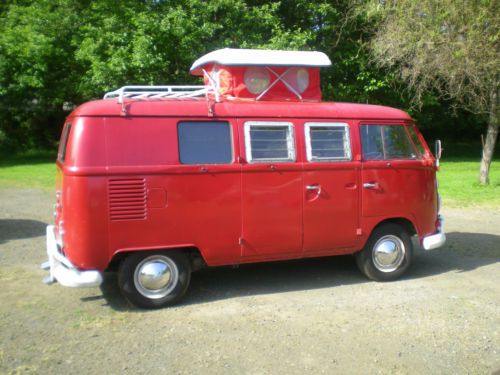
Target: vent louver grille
[{"x": 127, "y": 199}]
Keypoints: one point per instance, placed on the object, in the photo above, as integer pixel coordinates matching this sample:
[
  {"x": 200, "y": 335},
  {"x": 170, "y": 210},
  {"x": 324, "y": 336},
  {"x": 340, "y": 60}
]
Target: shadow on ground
[
  {"x": 463, "y": 252},
  {"x": 16, "y": 229}
]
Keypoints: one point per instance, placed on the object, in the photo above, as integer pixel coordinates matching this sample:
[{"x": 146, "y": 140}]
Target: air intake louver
[{"x": 127, "y": 199}]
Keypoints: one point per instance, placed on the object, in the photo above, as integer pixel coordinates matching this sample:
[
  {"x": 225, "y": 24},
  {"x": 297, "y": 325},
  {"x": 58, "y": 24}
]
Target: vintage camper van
[{"x": 156, "y": 182}]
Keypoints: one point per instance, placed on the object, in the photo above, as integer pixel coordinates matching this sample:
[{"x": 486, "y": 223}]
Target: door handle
[
  {"x": 316, "y": 188},
  {"x": 371, "y": 185},
  {"x": 313, "y": 187}
]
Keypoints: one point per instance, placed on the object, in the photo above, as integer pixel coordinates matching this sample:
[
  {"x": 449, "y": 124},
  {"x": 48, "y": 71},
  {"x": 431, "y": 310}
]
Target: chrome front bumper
[
  {"x": 437, "y": 239},
  {"x": 62, "y": 270}
]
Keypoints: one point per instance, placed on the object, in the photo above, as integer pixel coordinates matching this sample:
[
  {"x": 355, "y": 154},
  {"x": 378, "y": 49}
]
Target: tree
[
  {"x": 36, "y": 71},
  {"x": 447, "y": 47},
  {"x": 55, "y": 54}
]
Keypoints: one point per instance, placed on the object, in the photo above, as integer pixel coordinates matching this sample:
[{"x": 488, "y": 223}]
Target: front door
[
  {"x": 395, "y": 178},
  {"x": 271, "y": 190}
]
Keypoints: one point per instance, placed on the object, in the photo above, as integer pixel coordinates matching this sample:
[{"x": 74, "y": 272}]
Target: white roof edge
[{"x": 261, "y": 57}]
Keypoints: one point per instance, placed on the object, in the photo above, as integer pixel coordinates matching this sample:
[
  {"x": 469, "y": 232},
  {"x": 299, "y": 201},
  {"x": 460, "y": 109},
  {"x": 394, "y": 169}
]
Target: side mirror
[{"x": 438, "y": 151}]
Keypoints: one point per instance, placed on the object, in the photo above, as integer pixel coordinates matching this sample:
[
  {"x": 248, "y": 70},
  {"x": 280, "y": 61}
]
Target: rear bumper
[
  {"x": 437, "y": 239},
  {"x": 62, "y": 270}
]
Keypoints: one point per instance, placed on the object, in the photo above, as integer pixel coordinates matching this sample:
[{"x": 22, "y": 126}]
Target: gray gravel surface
[{"x": 318, "y": 316}]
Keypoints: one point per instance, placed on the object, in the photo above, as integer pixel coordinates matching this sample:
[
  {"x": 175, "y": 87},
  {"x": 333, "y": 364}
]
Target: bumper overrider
[
  {"x": 62, "y": 270},
  {"x": 437, "y": 239}
]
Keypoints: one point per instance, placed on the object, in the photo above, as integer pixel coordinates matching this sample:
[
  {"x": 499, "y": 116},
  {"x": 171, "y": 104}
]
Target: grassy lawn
[
  {"x": 458, "y": 184},
  {"x": 457, "y": 178},
  {"x": 29, "y": 170}
]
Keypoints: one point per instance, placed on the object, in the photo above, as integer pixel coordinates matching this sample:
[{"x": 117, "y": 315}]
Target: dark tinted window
[
  {"x": 386, "y": 142},
  {"x": 61, "y": 155},
  {"x": 205, "y": 143}
]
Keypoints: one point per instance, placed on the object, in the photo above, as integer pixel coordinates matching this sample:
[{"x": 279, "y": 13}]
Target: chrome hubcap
[
  {"x": 156, "y": 276},
  {"x": 388, "y": 253}
]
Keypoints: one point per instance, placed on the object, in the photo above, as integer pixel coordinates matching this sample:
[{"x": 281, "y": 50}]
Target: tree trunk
[{"x": 490, "y": 141}]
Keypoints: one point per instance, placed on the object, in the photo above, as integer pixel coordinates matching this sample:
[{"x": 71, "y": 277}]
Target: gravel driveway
[{"x": 317, "y": 316}]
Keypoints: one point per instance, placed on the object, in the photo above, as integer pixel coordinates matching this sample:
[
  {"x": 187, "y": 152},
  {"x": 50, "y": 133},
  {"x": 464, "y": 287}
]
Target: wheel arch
[
  {"x": 407, "y": 224},
  {"x": 403, "y": 222},
  {"x": 193, "y": 253}
]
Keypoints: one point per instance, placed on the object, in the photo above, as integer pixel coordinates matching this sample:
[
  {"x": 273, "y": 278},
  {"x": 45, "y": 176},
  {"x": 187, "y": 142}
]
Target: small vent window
[
  {"x": 269, "y": 141},
  {"x": 327, "y": 141},
  {"x": 416, "y": 140}
]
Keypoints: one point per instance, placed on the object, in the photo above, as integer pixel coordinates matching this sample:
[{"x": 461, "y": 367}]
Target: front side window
[
  {"x": 205, "y": 142},
  {"x": 384, "y": 142},
  {"x": 327, "y": 141},
  {"x": 269, "y": 141}
]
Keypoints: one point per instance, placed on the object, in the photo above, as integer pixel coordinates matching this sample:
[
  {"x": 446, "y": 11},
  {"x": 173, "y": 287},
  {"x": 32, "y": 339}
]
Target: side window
[
  {"x": 327, "y": 141},
  {"x": 382, "y": 142},
  {"x": 61, "y": 155},
  {"x": 204, "y": 142},
  {"x": 269, "y": 141}
]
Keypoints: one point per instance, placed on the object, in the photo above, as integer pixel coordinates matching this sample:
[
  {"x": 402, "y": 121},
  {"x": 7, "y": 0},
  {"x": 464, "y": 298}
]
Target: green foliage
[
  {"x": 448, "y": 47},
  {"x": 36, "y": 73},
  {"x": 57, "y": 54}
]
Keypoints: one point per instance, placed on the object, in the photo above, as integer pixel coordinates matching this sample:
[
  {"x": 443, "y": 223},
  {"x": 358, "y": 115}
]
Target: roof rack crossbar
[{"x": 158, "y": 92}]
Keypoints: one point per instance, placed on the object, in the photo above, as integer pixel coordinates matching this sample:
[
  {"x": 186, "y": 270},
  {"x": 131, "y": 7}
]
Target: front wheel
[
  {"x": 387, "y": 254},
  {"x": 154, "y": 279}
]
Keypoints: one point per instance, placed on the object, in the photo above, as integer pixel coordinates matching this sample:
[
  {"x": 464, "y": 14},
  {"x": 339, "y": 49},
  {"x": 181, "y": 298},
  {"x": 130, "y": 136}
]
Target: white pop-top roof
[{"x": 261, "y": 57}]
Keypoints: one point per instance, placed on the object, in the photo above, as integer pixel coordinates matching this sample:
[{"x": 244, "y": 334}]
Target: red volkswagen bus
[{"x": 160, "y": 181}]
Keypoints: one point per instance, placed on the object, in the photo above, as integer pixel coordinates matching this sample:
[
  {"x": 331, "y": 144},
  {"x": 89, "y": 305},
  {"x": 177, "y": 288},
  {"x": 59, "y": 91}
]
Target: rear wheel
[
  {"x": 387, "y": 254},
  {"x": 152, "y": 279}
]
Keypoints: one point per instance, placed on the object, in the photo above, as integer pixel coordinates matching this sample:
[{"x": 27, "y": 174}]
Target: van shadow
[
  {"x": 15, "y": 229},
  {"x": 463, "y": 252}
]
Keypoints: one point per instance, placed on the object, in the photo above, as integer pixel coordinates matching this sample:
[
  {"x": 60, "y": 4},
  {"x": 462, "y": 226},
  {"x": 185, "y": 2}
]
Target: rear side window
[
  {"x": 61, "y": 155},
  {"x": 327, "y": 141},
  {"x": 269, "y": 141},
  {"x": 382, "y": 142},
  {"x": 205, "y": 142}
]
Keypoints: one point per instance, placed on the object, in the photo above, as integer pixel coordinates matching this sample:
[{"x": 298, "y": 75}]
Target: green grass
[
  {"x": 34, "y": 169},
  {"x": 457, "y": 178},
  {"x": 459, "y": 187}
]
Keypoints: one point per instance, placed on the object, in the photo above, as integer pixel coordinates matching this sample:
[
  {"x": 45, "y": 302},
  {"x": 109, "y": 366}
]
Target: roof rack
[{"x": 157, "y": 92}]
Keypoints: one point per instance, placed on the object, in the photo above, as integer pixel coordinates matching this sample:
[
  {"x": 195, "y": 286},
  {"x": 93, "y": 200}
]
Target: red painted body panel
[
  {"x": 124, "y": 188},
  {"x": 198, "y": 107}
]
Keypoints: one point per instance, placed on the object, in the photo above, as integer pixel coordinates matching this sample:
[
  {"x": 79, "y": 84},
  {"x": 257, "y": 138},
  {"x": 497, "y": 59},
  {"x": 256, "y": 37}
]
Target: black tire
[
  {"x": 387, "y": 254},
  {"x": 154, "y": 279}
]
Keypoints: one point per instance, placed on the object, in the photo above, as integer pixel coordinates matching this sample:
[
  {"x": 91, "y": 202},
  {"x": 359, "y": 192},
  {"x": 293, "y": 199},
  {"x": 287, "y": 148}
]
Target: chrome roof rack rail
[{"x": 158, "y": 92}]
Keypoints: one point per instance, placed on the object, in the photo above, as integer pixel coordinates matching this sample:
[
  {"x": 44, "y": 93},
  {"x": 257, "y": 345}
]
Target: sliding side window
[
  {"x": 269, "y": 142},
  {"x": 327, "y": 141}
]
